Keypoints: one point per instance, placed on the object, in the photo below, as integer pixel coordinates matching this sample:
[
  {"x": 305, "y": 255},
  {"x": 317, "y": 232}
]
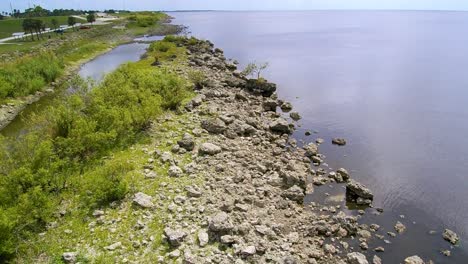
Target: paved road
[{"x": 99, "y": 21}]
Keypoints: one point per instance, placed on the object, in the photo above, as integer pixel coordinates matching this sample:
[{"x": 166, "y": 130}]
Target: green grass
[{"x": 10, "y": 26}]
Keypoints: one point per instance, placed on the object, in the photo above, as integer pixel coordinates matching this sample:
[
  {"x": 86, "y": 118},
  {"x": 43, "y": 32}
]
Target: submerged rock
[
  {"x": 450, "y": 236},
  {"x": 399, "y": 227},
  {"x": 339, "y": 141}
]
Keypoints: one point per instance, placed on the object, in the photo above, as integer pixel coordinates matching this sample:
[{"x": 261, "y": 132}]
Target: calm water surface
[{"x": 394, "y": 84}]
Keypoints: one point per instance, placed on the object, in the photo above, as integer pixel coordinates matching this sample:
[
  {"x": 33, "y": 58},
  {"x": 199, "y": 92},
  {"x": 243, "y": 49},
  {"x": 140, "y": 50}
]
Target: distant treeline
[{"x": 38, "y": 11}]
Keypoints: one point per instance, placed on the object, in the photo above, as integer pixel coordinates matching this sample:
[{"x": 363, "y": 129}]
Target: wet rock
[
  {"x": 311, "y": 150},
  {"x": 379, "y": 249},
  {"x": 220, "y": 222},
  {"x": 187, "y": 142},
  {"x": 376, "y": 260},
  {"x": 270, "y": 105},
  {"x": 399, "y": 227},
  {"x": 280, "y": 125},
  {"x": 356, "y": 258},
  {"x": 294, "y": 193},
  {"x": 446, "y": 253},
  {"x": 263, "y": 88},
  {"x": 214, "y": 126},
  {"x": 344, "y": 174},
  {"x": 69, "y": 257},
  {"x": 339, "y": 141},
  {"x": 295, "y": 116},
  {"x": 209, "y": 149},
  {"x": 286, "y": 106},
  {"x": 174, "y": 237},
  {"x": 450, "y": 236},
  {"x": 356, "y": 189},
  {"x": 143, "y": 200},
  {"x": 414, "y": 260}
]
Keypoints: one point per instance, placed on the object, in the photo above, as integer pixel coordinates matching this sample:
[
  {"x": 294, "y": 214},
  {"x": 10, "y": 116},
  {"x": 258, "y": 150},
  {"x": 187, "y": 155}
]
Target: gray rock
[
  {"x": 227, "y": 239},
  {"x": 270, "y": 105},
  {"x": 209, "y": 149},
  {"x": 175, "y": 171},
  {"x": 214, "y": 126},
  {"x": 187, "y": 142},
  {"x": 280, "y": 125},
  {"x": 114, "y": 246},
  {"x": 174, "y": 237},
  {"x": 249, "y": 251},
  {"x": 261, "y": 87},
  {"x": 339, "y": 141},
  {"x": 344, "y": 174},
  {"x": 203, "y": 238},
  {"x": 286, "y": 106},
  {"x": 376, "y": 260},
  {"x": 399, "y": 227},
  {"x": 311, "y": 150},
  {"x": 355, "y": 188},
  {"x": 450, "y": 236},
  {"x": 69, "y": 257},
  {"x": 356, "y": 258},
  {"x": 294, "y": 193},
  {"x": 193, "y": 191},
  {"x": 414, "y": 260},
  {"x": 295, "y": 116},
  {"x": 220, "y": 223},
  {"x": 143, "y": 200}
]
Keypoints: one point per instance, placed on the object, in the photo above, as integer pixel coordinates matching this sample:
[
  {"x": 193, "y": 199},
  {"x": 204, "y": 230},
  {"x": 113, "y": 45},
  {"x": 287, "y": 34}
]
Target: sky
[{"x": 167, "y": 5}]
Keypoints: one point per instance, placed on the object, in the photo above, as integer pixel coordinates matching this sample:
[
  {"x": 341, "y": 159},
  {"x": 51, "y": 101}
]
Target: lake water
[{"x": 394, "y": 84}]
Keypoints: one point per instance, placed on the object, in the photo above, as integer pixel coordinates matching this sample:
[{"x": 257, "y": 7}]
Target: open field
[{"x": 10, "y": 26}]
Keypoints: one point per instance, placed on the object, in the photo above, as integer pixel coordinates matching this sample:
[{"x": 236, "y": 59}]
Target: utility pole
[{"x": 11, "y": 9}]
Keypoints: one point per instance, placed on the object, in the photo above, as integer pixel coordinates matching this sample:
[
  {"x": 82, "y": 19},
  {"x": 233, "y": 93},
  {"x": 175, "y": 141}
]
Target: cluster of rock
[{"x": 250, "y": 206}]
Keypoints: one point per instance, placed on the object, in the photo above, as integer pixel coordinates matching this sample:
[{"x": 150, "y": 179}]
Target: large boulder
[
  {"x": 356, "y": 258},
  {"x": 209, "y": 149},
  {"x": 214, "y": 126},
  {"x": 280, "y": 125},
  {"x": 187, "y": 142},
  {"x": 294, "y": 193},
  {"x": 174, "y": 237},
  {"x": 356, "y": 189},
  {"x": 260, "y": 87},
  {"x": 143, "y": 200},
  {"x": 220, "y": 222},
  {"x": 311, "y": 150}
]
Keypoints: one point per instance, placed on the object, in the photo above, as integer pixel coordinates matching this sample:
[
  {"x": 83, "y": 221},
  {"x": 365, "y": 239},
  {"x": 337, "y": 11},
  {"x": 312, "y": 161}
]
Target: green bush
[{"x": 29, "y": 74}]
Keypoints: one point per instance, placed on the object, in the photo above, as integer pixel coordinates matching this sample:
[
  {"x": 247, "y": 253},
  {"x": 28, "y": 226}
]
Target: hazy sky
[{"x": 240, "y": 4}]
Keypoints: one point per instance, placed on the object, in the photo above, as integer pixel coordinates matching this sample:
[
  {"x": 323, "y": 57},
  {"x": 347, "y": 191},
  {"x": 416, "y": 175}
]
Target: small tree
[
  {"x": 91, "y": 18},
  {"x": 72, "y": 21},
  {"x": 54, "y": 23},
  {"x": 28, "y": 27},
  {"x": 255, "y": 69}
]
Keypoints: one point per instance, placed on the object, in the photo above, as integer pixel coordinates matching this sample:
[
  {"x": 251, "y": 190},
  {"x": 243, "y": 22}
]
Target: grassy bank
[
  {"x": 84, "y": 155},
  {"x": 22, "y": 73}
]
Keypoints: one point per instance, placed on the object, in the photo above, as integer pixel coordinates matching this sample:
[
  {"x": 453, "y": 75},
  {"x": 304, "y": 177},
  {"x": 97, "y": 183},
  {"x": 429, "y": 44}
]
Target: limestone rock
[
  {"x": 143, "y": 200},
  {"x": 450, "y": 236},
  {"x": 209, "y": 149},
  {"x": 356, "y": 258}
]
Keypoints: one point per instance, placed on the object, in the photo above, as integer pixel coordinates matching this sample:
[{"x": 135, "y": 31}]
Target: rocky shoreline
[
  {"x": 242, "y": 198},
  {"x": 250, "y": 206}
]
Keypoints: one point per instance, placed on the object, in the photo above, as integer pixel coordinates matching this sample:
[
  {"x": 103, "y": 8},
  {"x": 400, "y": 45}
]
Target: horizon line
[{"x": 308, "y": 10}]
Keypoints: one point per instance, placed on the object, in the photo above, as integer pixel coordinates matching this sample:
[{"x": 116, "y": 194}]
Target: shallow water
[
  {"x": 394, "y": 84},
  {"x": 95, "y": 70}
]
